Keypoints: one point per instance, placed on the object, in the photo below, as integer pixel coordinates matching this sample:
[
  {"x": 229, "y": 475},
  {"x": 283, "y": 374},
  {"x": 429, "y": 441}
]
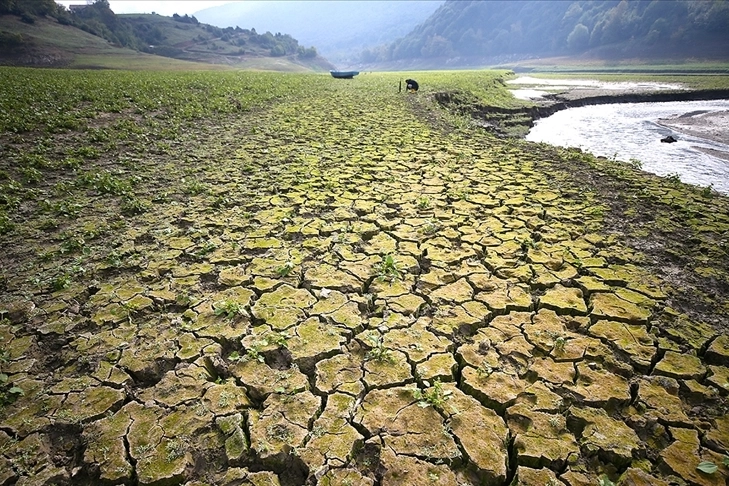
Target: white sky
[{"x": 162, "y": 7}]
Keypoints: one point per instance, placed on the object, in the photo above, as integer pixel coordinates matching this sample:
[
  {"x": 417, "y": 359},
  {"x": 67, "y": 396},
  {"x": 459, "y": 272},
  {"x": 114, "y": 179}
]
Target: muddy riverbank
[
  {"x": 711, "y": 126},
  {"x": 518, "y": 121}
]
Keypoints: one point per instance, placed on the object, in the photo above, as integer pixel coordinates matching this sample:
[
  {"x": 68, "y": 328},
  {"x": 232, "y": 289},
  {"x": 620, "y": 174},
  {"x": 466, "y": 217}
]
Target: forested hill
[
  {"x": 471, "y": 30},
  {"x": 41, "y": 32},
  {"x": 338, "y": 29}
]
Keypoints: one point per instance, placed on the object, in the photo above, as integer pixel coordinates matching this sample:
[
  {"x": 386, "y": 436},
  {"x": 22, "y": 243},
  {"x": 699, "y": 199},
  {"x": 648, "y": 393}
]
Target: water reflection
[{"x": 629, "y": 131}]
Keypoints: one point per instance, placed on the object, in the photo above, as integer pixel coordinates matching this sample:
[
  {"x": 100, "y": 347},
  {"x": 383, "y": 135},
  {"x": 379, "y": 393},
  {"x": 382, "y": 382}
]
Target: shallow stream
[{"x": 630, "y": 131}]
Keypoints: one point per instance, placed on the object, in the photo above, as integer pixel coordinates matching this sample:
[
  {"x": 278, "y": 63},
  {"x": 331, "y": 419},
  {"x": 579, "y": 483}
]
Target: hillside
[
  {"x": 47, "y": 43},
  {"x": 477, "y": 33},
  {"x": 96, "y": 37},
  {"x": 339, "y": 30},
  {"x": 186, "y": 38}
]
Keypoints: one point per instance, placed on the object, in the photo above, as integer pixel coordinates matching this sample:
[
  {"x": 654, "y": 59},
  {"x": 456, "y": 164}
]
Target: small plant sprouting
[
  {"x": 195, "y": 187},
  {"x": 229, "y": 308},
  {"x": 559, "y": 343},
  {"x": 280, "y": 339},
  {"x": 484, "y": 371},
  {"x": 378, "y": 351},
  {"x": 141, "y": 450},
  {"x": 105, "y": 182},
  {"x": 527, "y": 244},
  {"x": 431, "y": 227},
  {"x": 285, "y": 269},
  {"x": 72, "y": 243},
  {"x": 184, "y": 299},
  {"x": 673, "y": 178},
  {"x": 6, "y": 226},
  {"x": 205, "y": 249},
  {"x": 708, "y": 191},
  {"x": 222, "y": 201},
  {"x": 3, "y": 353},
  {"x": 387, "y": 269},
  {"x": 423, "y": 203},
  {"x": 161, "y": 198},
  {"x": 31, "y": 175},
  {"x": 175, "y": 450},
  {"x": 555, "y": 423},
  {"x": 114, "y": 259},
  {"x": 8, "y": 393},
  {"x": 435, "y": 396},
  {"x": 133, "y": 205},
  {"x": 254, "y": 353},
  {"x": 62, "y": 282},
  {"x": 235, "y": 357},
  {"x": 605, "y": 481}
]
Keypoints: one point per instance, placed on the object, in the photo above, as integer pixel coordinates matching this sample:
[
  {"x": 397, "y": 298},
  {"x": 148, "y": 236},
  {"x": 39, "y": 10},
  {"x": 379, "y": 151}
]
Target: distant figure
[
  {"x": 669, "y": 139},
  {"x": 412, "y": 85}
]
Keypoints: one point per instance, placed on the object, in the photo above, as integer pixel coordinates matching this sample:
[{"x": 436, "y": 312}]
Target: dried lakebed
[{"x": 346, "y": 289}]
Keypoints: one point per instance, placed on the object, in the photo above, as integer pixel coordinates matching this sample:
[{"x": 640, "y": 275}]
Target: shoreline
[
  {"x": 575, "y": 98},
  {"x": 710, "y": 126},
  {"x": 503, "y": 120}
]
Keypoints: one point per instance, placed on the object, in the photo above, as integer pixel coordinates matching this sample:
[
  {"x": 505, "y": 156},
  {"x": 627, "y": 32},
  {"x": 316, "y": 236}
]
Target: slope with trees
[
  {"x": 180, "y": 36},
  {"x": 339, "y": 30},
  {"x": 475, "y": 30}
]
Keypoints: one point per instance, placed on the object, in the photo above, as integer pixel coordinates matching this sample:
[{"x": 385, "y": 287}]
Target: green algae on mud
[{"x": 166, "y": 346}]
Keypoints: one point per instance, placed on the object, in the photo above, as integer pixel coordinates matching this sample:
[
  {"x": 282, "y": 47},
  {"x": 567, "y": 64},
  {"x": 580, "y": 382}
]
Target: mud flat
[{"x": 711, "y": 126}]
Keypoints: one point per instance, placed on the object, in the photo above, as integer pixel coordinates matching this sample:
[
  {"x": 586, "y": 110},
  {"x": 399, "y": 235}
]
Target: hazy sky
[{"x": 161, "y": 7}]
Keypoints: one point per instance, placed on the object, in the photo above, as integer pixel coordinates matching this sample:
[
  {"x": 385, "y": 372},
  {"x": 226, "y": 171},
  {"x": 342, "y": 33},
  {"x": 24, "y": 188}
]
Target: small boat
[{"x": 344, "y": 74}]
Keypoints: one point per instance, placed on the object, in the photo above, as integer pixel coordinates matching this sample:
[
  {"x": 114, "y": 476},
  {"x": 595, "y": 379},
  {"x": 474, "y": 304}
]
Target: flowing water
[{"x": 629, "y": 131}]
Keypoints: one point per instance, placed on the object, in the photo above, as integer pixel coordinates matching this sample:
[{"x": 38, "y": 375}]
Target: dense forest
[
  {"x": 480, "y": 29},
  {"x": 143, "y": 33}
]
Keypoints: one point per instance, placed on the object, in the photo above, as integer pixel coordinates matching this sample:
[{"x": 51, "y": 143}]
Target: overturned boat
[{"x": 344, "y": 74}]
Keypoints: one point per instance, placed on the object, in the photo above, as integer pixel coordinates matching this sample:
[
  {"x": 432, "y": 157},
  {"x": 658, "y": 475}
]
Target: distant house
[{"x": 76, "y": 8}]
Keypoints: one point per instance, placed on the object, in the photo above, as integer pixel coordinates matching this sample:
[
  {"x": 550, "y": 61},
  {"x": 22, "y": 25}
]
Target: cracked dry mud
[{"x": 251, "y": 334}]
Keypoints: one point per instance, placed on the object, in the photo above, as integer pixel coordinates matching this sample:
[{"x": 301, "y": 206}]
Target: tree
[
  {"x": 7, "y": 6},
  {"x": 579, "y": 38},
  {"x": 33, "y": 7},
  {"x": 437, "y": 46},
  {"x": 659, "y": 30},
  {"x": 309, "y": 53},
  {"x": 469, "y": 43},
  {"x": 614, "y": 29}
]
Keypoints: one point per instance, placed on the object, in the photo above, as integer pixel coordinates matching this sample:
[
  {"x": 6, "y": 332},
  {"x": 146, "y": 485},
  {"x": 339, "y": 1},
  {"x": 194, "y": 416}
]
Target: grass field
[{"x": 233, "y": 278}]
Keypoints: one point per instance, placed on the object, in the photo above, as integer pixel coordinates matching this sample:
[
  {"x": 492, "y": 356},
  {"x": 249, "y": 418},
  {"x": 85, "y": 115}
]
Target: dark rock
[{"x": 669, "y": 139}]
